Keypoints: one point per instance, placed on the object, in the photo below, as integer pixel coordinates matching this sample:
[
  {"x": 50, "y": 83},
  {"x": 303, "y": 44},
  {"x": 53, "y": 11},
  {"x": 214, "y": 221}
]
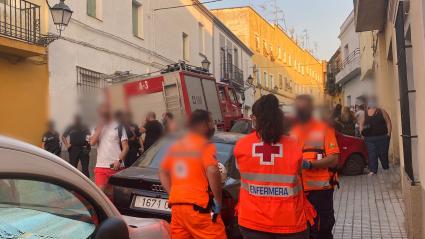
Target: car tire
[{"x": 354, "y": 165}]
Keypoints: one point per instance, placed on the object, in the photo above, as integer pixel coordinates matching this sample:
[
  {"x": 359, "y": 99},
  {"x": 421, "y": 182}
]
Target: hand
[
  {"x": 117, "y": 165},
  {"x": 216, "y": 208},
  {"x": 306, "y": 164},
  {"x": 68, "y": 146},
  {"x": 142, "y": 150},
  {"x": 389, "y": 135}
]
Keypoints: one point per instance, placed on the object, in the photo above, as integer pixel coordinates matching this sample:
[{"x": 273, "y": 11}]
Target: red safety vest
[
  {"x": 271, "y": 198},
  {"x": 311, "y": 138}
]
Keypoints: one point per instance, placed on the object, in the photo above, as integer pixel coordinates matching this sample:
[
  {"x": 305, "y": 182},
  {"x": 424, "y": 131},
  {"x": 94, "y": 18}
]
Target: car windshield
[
  {"x": 241, "y": 127},
  {"x": 153, "y": 157}
]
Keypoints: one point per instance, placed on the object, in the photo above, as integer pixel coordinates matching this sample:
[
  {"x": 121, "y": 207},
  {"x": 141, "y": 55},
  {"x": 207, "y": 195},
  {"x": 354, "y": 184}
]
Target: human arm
[
  {"x": 43, "y": 142},
  {"x": 214, "y": 178},
  {"x": 331, "y": 150},
  {"x": 387, "y": 121},
  {"x": 339, "y": 122},
  {"x": 326, "y": 162},
  {"x": 354, "y": 120},
  {"x": 362, "y": 122},
  {"x": 124, "y": 145},
  {"x": 165, "y": 178},
  {"x": 96, "y": 134},
  {"x": 172, "y": 127},
  {"x": 65, "y": 134},
  {"x": 144, "y": 127},
  {"x": 42, "y": 145}
]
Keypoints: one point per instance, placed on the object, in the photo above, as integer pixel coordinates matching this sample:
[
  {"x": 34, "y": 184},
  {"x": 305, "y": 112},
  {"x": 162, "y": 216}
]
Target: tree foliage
[{"x": 332, "y": 88}]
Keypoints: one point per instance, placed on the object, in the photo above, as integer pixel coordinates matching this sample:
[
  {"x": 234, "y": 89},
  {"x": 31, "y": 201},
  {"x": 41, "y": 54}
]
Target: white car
[{"x": 42, "y": 196}]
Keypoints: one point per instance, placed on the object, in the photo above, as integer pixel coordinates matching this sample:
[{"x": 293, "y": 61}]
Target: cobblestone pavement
[{"x": 370, "y": 207}]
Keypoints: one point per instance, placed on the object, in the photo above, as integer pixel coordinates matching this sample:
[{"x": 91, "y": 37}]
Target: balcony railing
[
  {"x": 232, "y": 73},
  {"x": 349, "y": 59},
  {"x": 20, "y": 19}
]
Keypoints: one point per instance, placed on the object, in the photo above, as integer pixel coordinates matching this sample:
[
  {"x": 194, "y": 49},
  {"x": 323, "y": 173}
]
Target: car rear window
[{"x": 153, "y": 157}]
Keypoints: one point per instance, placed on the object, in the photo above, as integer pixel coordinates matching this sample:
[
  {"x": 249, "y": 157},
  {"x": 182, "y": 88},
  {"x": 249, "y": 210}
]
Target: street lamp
[
  {"x": 206, "y": 64},
  {"x": 250, "y": 80},
  {"x": 61, "y": 15}
]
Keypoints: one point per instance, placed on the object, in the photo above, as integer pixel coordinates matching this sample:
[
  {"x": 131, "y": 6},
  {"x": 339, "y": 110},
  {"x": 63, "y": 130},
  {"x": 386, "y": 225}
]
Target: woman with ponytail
[{"x": 271, "y": 200}]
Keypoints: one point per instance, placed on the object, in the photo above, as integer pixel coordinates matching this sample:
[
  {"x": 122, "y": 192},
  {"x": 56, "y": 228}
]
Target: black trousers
[
  {"x": 132, "y": 156},
  {"x": 76, "y": 154},
  {"x": 254, "y": 234},
  {"x": 322, "y": 201}
]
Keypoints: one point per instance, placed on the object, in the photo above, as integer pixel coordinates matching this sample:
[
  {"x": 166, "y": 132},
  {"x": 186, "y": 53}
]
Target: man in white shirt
[{"x": 110, "y": 157}]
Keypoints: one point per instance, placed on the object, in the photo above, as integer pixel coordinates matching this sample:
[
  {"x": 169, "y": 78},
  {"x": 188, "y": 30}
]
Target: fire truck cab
[{"x": 179, "y": 92}]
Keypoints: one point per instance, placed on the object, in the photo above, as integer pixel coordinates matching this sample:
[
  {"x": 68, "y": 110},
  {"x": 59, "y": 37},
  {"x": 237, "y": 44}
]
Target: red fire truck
[{"x": 179, "y": 92}]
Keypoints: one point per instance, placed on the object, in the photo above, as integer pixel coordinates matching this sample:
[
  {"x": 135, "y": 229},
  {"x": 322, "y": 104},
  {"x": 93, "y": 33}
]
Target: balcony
[
  {"x": 20, "y": 28},
  {"x": 349, "y": 68},
  {"x": 370, "y": 15},
  {"x": 232, "y": 75}
]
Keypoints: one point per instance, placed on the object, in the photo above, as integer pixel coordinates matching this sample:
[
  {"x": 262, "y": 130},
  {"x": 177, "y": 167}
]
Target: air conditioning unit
[{"x": 256, "y": 68}]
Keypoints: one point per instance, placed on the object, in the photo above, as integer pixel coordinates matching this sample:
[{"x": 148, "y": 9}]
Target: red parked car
[{"x": 353, "y": 158}]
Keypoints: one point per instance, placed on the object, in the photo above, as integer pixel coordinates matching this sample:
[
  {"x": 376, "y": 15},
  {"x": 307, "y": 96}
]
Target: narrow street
[{"x": 370, "y": 207}]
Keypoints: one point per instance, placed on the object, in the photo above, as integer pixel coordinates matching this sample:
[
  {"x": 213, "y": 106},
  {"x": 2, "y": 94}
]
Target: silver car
[{"x": 42, "y": 196}]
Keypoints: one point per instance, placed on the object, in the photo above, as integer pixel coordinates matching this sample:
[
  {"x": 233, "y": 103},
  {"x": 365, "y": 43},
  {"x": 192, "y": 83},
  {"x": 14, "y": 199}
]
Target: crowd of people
[
  {"x": 118, "y": 139},
  {"x": 368, "y": 122},
  {"x": 287, "y": 182}
]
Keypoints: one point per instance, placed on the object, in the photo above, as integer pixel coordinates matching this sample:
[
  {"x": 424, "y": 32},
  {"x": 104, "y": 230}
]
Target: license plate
[{"x": 152, "y": 203}]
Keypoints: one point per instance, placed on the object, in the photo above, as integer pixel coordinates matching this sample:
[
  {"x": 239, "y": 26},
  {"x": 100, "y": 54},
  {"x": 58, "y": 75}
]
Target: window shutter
[
  {"x": 135, "y": 11},
  {"x": 91, "y": 8}
]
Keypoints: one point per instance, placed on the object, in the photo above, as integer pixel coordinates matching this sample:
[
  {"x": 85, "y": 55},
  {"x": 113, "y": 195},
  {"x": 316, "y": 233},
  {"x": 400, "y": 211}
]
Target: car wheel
[{"x": 354, "y": 165}]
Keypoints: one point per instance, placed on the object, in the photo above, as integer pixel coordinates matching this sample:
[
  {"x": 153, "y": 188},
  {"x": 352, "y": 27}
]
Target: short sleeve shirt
[
  {"x": 331, "y": 145},
  {"x": 78, "y": 136},
  {"x": 154, "y": 131},
  {"x": 51, "y": 141},
  {"x": 108, "y": 145}
]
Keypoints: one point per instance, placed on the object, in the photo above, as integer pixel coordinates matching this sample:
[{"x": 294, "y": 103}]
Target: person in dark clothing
[
  {"x": 347, "y": 121},
  {"x": 335, "y": 115},
  {"x": 375, "y": 127},
  {"x": 78, "y": 146},
  {"x": 153, "y": 130},
  {"x": 50, "y": 141},
  {"x": 134, "y": 144},
  {"x": 170, "y": 126}
]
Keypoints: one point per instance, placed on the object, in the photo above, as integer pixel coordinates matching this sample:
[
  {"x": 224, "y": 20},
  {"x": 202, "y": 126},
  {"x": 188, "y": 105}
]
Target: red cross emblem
[{"x": 266, "y": 152}]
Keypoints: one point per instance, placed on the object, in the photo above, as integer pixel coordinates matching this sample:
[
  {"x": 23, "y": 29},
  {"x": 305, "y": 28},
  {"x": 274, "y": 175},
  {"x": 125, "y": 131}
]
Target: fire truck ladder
[{"x": 173, "y": 101}]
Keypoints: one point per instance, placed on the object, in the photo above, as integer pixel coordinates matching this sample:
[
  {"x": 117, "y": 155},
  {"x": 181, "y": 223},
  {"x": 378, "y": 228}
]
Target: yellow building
[
  {"x": 24, "y": 74},
  {"x": 281, "y": 67}
]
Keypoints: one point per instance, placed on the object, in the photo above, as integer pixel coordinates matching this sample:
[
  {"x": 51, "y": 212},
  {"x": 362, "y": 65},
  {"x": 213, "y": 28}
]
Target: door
[
  {"x": 235, "y": 111},
  {"x": 225, "y": 101}
]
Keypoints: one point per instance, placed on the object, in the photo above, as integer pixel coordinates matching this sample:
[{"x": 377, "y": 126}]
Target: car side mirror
[{"x": 112, "y": 228}]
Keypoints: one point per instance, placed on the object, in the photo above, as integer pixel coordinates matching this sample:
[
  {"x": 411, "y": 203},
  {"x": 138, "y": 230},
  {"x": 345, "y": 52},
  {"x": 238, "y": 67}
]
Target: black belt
[{"x": 322, "y": 151}]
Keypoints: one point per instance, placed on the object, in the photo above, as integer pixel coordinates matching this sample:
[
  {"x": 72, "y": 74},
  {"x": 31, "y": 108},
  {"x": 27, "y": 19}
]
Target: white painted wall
[
  {"x": 348, "y": 36},
  {"x": 356, "y": 89}
]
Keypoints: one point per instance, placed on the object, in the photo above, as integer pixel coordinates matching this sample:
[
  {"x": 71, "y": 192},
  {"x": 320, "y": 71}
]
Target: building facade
[
  {"x": 393, "y": 31},
  {"x": 24, "y": 73},
  {"x": 355, "y": 89},
  {"x": 107, "y": 43},
  {"x": 333, "y": 92},
  {"x": 280, "y": 66}
]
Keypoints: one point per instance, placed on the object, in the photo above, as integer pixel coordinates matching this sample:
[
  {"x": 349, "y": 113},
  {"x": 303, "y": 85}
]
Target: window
[
  {"x": 289, "y": 59},
  {"x": 185, "y": 47},
  {"x": 222, "y": 93},
  {"x": 44, "y": 210},
  {"x": 296, "y": 88},
  {"x": 265, "y": 48},
  {"x": 284, "y": 56},
  {"x": 295, "y": 64},
  {"x": 306, "y": 68},
  {"x": 302, "y": 69},
  {"x": 265, "y": 79},
  {"x": 233, "y": 96},
  {"x": 271, "y": 81},
  {"x": 286, "y": 83},
  {"x": 94, "y": 8},
  {"x": 91, "y": 8},
  {"x": 257, "y": 75},
  {"x": 290, "y": 84},
  {"x": 279, "y": 53},
  {"x": 280, "y": 81},
  {"x": 299, "y": 66},
  {"x": 257, "y": 42},
  {"x": 201, "y": 39},
  {"x": 137, "y": 12},
  {"x": 271, "y": 49}
]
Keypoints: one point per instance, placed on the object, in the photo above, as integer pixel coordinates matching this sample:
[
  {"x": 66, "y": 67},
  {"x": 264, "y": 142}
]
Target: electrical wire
[{"x": 188, "y": 5}]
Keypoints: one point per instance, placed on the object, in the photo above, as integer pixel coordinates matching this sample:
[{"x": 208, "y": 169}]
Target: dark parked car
[
  {"x": 139, "y": 193},
  {"x": 353, "y": 157}
]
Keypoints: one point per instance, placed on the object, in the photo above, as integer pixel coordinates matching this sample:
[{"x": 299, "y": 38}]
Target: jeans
[
  {"x": 377, "y": 146},
  {"x": 254, "y": 234}
]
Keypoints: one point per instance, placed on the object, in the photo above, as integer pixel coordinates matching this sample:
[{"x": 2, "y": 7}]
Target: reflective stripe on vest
[
  {"x": 318, "y": 184},
  {"x": 272, "y": 178},
  {"x": 270, "y": 190},
  {"x": 316, "y": 144}
]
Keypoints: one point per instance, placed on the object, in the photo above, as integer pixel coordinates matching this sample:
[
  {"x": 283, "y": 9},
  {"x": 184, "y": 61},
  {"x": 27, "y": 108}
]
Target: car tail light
[{"x": 228, "y": 208}]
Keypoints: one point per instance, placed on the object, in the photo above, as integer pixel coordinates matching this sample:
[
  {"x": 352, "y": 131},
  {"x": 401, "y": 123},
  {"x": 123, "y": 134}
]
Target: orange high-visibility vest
[
  {"x": 187, "y": 161},
  {"x": 271, "y": 198},
  {"x": 312, "y": 139}
]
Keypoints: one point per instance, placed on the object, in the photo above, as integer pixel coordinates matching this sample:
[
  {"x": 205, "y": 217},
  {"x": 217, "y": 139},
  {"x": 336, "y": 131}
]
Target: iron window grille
[{"x": 90, "y": 81}]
